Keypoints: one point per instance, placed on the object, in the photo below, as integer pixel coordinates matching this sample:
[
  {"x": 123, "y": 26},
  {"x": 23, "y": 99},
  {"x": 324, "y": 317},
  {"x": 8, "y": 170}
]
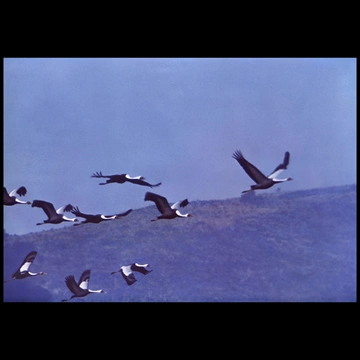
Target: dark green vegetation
[{"x": 294, "y": 246}]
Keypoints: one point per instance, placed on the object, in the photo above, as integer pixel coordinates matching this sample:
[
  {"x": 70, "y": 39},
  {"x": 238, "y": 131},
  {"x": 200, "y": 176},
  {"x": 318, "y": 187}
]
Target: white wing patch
[
  {"x": 61, "y": 210},
  {"x": 275, "y": 174},
  {"x": 84, "y": 285},
  {"x": 176, "y": 205},
  {"x": 13, "y": 193},
  {"x": 25, "y": 267},
  {"x": 126, "y": 270}
]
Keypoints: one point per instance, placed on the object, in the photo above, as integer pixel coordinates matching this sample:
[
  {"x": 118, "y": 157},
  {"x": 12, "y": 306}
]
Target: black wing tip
[
  {"x": 156, "y": 185},
  {"x": 68, "y": 208},
  {"x": 69, "y": 278},
  {"x": 127, "y": 212},
  {"x": 97, "y": 174},
  {"x": 286, "y": 159},
  {"x": 184, "y": 203},
  {"x": 74, "y": 210},
  {"x": 237, "y": 154},
  {"x": 22, "y": 191},
  {"x": 130, "y": 280},
  {"x": 31, "y": 254},
  {"x": 36, "y": 203},
  {"x": 148, "y": 195}
]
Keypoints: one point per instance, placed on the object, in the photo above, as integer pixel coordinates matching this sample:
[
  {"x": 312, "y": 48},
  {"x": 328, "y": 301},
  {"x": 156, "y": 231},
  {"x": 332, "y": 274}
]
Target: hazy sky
[{"x": 175, "y": 121}]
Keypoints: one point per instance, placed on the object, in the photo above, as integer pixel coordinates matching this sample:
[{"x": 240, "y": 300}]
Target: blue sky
[{"x": 175, "y": 121}]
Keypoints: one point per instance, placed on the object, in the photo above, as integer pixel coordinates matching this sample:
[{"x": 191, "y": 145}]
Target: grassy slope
[{"x": 297, "y": 246}]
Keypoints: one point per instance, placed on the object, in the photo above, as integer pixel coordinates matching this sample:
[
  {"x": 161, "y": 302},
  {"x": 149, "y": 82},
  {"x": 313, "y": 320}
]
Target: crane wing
[
  {"x": 128, "y": 276},
  {"x": 124, "y": 213},
  {"x": 76, "y": 211},
  {"x": 84, "y": 280},
  {"x": 71, "y": 284},
  {"x": 141, "y": 182},
  {"x": 6, "y": 195},
  {"x": 281, "y": 167},
  {"x": 179, "y": 204},
  {"x": 64, "y": 208},
  {"x": 27, "y": 261},
  {"x": 21, "y": 191},
  {"x": 46, "y": 206},
  {"x": 160, "y": 201},
  {"x": 140, "y": 268},
  {"x": 99, "y": 175},
  {"x": 249, "y": 168}
]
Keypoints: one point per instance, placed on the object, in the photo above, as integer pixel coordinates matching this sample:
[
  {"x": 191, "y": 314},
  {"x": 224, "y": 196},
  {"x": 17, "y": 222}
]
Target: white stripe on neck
[
  {"x": 19, "y": 201},
  {"x": 178, "y": 213},
  {"x": 68, "y": 219}
]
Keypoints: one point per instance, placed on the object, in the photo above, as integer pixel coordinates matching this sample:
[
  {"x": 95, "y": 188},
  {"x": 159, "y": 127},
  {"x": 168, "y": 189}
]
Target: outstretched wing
[
  {"x": 249, "y": 168},
  {"x": 128, "y": 275},
  {"x": 281, "y": 167},
  {"x": 141, "y": 182},
  {"x": 46, "y": 206},
  {"x": 27, "y": 261},
  {"x": 71, "y": 284},
  {"x": 160, "y": 201},
  {"x": 124, "y": 213}
]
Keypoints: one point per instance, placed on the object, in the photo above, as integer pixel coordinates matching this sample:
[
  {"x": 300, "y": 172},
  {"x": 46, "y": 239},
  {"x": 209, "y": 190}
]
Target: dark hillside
[{"x": 296, "y": 246}]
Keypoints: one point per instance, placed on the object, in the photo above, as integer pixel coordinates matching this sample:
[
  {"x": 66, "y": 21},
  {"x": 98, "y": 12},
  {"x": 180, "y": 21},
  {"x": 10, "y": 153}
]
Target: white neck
[
  {"x": 68, "y": 219},
  {"x": 95, "y": 291},
  {"x": 178, "y": 213},
  {"x": 280, "y": 180},
  {"x": 19, "y": 201}
]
